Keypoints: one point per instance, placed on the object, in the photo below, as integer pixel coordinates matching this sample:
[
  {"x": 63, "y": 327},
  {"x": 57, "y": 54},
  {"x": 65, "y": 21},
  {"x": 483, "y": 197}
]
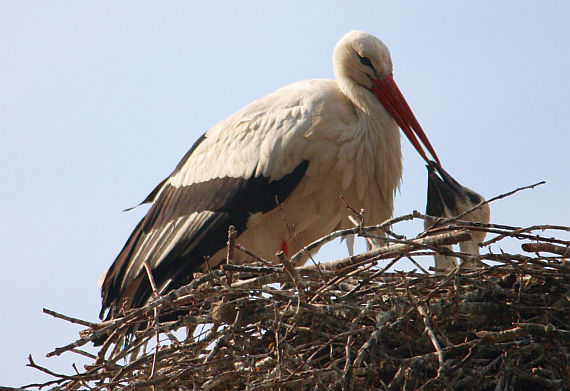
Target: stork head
[
  {"x": 448, "y": 198},
  {"x": 362, "y": 58},
  {"x": 362, "y": 62}
]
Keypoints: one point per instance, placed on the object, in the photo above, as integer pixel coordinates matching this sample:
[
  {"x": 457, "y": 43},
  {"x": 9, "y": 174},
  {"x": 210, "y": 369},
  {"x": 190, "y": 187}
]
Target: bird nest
[{"x": 350, "y": 324}]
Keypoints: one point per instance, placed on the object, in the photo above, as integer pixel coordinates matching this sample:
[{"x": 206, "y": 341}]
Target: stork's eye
[{"x": 365, "y": 61}]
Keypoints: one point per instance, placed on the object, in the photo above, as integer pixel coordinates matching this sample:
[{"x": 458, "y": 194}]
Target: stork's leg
[
  {"x": 285, "y": 248},
  {"x": 444, "y": 263},
  {"x": 470, "y": 247},
  {"x": 350, "y": 244}
]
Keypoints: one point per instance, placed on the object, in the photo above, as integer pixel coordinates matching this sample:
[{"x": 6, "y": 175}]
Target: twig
[
  {"x": 383, "y": 319},
  {"x": 347, "y": 371},
  {"x": 150, "y": 278},
  {"x": 69, "y": 318},
  {"x": 434, "y": 341},
  {"x": 525, "y": 328},
  {"x": 546, "y": 247},
  {"x": 359, "y": 215},
  {"x": 219, "y": 342},
  {"x": 32, "y": 364},
  {"x": 84, "y": 353},
  {"x": 252, "y": 269},
  {"x": 230, "y": 253},
  {"x": 156, "y": 314},
  {"x": 519, "y": 232},
  {"x": 349, "y": 231},
  {"x": 411, "y": 259},
  {"x": 80, "y": 379},
  {"x": 295, "y": 278},
  {"x": 251, "y": 254},
  {"x": 436, "y": 240},
  {"x": 500, "y": 196}
]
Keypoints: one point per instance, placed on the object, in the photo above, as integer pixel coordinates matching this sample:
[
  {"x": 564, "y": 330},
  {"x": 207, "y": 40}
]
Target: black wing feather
[{"x": 206, "y": 209}]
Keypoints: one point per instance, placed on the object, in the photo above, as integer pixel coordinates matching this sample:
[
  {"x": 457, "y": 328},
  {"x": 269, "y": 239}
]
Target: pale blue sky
[{"x": 99, "y": 101}]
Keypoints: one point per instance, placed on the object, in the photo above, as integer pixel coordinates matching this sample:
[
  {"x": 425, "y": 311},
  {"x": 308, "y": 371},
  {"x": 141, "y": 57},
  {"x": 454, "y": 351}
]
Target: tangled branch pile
[{"x": 351, "y": 324}]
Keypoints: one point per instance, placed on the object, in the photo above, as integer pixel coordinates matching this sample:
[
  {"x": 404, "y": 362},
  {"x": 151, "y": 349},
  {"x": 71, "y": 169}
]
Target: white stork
[
  {"x": 448, "y": 198},
  {"x": 303, "y": 145}
]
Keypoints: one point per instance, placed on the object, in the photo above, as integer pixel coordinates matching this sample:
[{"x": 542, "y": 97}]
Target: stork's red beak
[{"x": 393, "y": 101}]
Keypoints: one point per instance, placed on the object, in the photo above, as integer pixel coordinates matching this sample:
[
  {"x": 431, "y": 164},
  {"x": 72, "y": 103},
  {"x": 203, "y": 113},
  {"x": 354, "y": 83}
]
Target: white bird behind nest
[{"x": 448, "y": 198}]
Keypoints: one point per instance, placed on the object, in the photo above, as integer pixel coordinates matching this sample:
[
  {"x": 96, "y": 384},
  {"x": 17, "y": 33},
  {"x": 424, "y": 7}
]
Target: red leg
[{"x": 284, "y": 248}]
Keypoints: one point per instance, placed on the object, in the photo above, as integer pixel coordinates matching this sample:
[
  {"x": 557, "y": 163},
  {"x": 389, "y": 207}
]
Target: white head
[
  {"x": 361, "y": 57},
  {"x": 363, "y": 70}
]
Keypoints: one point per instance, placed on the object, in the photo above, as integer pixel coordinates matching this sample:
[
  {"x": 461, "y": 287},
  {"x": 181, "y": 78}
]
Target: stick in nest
[
  {"x": 230, "y": 255},
  {"x": 156, "y": 322}
]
